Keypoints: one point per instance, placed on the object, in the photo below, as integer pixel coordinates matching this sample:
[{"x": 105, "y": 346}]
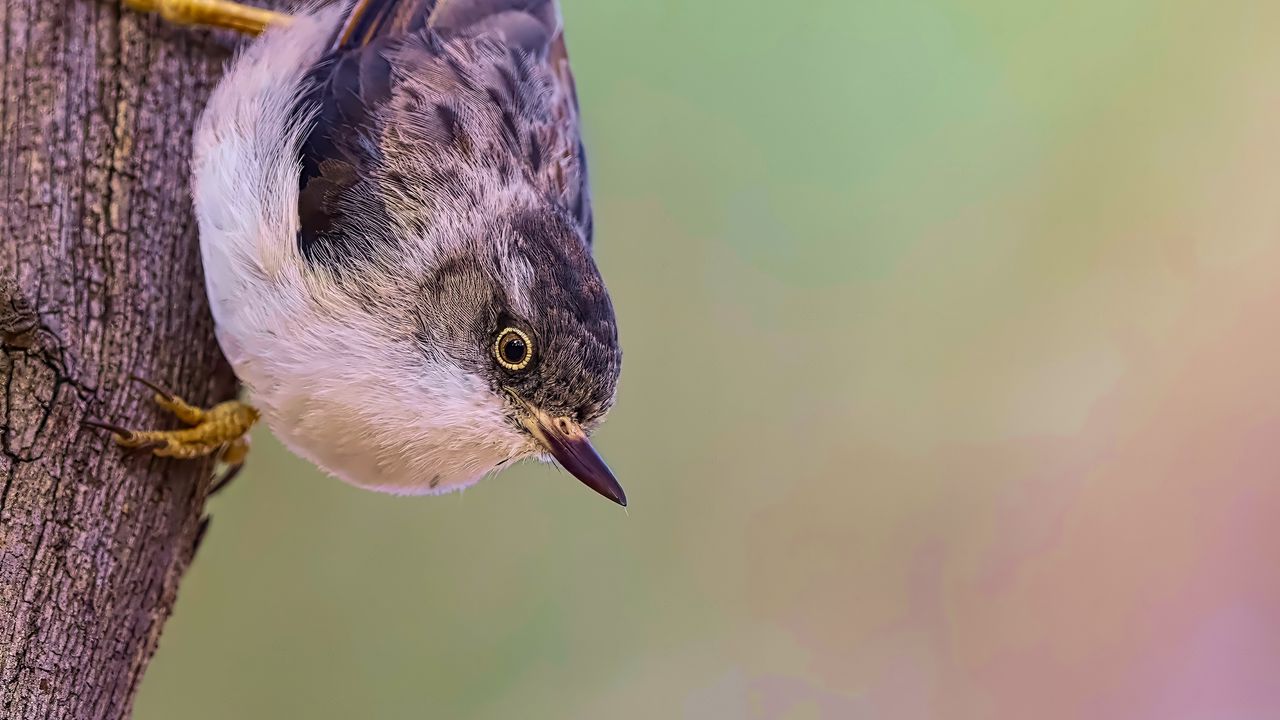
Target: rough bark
[{"x": 101, "y": 273}]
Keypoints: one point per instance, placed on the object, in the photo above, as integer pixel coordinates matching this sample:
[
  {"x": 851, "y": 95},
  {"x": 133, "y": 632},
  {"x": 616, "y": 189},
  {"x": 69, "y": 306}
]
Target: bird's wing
[{"x": 350, "y": 86}]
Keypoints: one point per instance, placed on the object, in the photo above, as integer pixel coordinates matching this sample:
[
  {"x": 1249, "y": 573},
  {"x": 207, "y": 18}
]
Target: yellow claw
[
  {"x": 212, "y": 13},
  {"x": 220, "y": 430}
]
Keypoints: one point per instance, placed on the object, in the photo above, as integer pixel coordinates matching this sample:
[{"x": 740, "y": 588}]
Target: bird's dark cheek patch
[{"x": 456, "y": 308}]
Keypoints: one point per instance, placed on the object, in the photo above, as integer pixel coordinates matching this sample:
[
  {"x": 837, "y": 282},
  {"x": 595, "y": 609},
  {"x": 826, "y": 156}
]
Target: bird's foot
[
  {"x": 221, "y": 430},
  {"x": 212, "y": 13}
]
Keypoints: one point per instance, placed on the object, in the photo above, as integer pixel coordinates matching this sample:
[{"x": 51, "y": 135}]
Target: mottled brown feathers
[{"x": 482, "y": 85}]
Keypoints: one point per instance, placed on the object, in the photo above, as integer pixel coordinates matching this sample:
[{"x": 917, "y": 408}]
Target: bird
[{"x": 396, "y": 231}]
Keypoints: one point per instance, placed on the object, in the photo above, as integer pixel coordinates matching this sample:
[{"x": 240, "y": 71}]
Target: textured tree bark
[{"x": 102, "y": 279}]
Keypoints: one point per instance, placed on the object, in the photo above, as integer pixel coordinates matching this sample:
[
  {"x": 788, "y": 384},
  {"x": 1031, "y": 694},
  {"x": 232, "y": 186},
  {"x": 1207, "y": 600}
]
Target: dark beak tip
[
  {"x": 620, "y": 497},
  {"x": 606, "y": 485},
  {"x": 569, "y": 445},
  {"x": 581, "y": 460}
]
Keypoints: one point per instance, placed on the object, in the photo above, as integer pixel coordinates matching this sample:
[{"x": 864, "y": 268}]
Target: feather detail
[{"x": 492, "y": 68}]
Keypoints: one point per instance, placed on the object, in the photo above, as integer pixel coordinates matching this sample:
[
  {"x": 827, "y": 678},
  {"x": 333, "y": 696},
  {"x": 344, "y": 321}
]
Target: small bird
[{"x": 396, "y": 230}]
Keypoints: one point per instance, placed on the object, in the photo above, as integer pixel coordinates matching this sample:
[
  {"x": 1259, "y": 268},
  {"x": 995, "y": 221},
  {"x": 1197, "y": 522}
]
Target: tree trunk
[{"x": 99, "y": 278}]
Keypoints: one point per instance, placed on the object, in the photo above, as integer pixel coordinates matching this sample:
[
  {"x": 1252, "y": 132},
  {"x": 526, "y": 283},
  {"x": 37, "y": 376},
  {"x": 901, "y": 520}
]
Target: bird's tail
[
  {"x": 371, "y": 19},
  {"x": 524, "y": 23}
]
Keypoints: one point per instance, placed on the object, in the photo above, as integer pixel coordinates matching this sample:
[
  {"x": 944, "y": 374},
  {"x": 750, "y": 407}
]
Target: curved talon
[
  {"x": 115, "y": 429},
  {"x": 145, "y": 447},
  {"x": 158, "y": 389},
  {"x": 222, "y": 482}
]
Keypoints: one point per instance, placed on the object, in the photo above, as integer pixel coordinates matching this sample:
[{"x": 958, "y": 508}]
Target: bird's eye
[{"x": 513, "y": 350}]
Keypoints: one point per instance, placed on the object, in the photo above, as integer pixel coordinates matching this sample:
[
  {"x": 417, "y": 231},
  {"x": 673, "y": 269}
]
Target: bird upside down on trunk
[{"x": 396, "y": 231}]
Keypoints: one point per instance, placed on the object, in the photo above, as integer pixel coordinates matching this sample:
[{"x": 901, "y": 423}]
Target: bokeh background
[{"x": 952, "y": 390}]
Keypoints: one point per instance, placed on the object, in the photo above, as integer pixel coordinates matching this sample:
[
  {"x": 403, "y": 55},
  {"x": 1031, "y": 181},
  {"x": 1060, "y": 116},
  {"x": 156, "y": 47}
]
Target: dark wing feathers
[
  {"x": 357, "y": 81},
  {"x": 345, "y": 89},
  {"x": 530, "y": 25}
]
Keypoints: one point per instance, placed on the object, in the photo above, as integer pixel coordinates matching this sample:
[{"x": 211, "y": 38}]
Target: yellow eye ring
[{"x": 513, "y": 349}]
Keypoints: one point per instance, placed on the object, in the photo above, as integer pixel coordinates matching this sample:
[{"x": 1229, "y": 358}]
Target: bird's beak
[{"x": 568, "y": 443}]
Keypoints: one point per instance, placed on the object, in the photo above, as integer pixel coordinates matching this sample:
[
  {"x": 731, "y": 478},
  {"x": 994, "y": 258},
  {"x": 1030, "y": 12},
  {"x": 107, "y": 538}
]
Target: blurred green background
[{"x": 952, "y": 390}]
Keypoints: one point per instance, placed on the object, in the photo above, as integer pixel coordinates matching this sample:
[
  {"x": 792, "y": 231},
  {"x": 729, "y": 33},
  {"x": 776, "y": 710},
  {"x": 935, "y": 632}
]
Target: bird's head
[{"x": 525, "y": 317}]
